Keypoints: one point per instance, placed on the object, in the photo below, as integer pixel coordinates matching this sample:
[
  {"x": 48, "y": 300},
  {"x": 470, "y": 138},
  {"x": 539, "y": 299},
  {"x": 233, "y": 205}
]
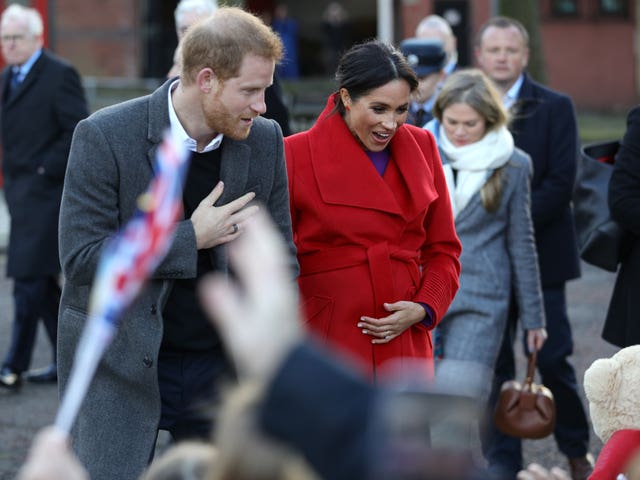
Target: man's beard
[{"x": 220, "y": 120}]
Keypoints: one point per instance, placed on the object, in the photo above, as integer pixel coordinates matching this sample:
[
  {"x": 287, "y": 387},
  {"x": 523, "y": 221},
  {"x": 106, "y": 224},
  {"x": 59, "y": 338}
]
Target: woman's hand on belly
[{"x": 404, "y": 315}]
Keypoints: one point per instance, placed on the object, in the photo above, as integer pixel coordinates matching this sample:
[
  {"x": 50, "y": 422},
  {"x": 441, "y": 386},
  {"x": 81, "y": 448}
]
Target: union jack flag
[
  {"x": 132, "y": 256},
  {"x": 127, "y": 261}
]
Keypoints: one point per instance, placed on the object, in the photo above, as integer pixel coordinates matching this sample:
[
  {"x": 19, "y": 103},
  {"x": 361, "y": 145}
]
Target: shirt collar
[
  {"x": 24, "y": 69},
  {"x": 511, "y": 96},
  {"x": 426, "y": 106},
  {"x": 451, "y": 64},
  {"x": 178, "y": 130},
  {"x": 415, "y": 107}
]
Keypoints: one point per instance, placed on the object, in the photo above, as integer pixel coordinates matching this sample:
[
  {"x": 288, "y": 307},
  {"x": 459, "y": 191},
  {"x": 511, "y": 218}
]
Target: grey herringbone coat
[{"x": 498, "y": 257}]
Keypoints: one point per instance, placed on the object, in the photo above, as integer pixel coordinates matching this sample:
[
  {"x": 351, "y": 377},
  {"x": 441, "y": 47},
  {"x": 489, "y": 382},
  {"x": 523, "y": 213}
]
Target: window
[
  {"x": 614, "y": 7},
  {"x": 568, "y": 8}
]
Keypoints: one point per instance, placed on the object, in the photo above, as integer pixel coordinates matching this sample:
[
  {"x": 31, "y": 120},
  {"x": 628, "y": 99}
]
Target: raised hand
[{"x": 258, "y": 315}]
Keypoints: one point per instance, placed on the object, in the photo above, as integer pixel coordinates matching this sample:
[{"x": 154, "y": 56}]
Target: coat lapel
[
  {"x": 28, "y": 81},
  {"x": 524, "y": 106},
  {"x": 158, "y": 123},
  {"x": 414, "y": 194},
  {"x": 158, "y": 119},
  {"x": 234, "y": 169},
  {"x": 473, "y": 203},
  {"x": 346, "y": 175},
  {"x": 6, "y": 74}
]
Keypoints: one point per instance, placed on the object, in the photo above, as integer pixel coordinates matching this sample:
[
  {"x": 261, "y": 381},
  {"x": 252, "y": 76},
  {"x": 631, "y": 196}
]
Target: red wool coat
[{"x": 365, "y": 239}]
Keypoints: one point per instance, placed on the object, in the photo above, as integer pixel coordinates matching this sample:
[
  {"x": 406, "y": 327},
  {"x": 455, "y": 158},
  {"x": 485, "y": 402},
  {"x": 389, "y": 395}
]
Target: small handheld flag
[{"x": 126, "y": 263}]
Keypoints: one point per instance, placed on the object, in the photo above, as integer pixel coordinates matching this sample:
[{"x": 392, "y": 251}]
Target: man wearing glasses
[{"x": 42, "y": 101}]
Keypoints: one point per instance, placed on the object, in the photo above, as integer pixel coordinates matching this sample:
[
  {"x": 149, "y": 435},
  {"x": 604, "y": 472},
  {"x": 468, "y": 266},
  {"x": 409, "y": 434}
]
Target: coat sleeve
[
  {"x": 522, "y": 249},
  {"x": 70, "y": 107},
  {"x": 321, "y": 410},
  {"x": 441, "y": 250},
  {"x": 88, "y": 212},
  {"x": 552, "y": 195},
  {"x": 624, "y": 185}
]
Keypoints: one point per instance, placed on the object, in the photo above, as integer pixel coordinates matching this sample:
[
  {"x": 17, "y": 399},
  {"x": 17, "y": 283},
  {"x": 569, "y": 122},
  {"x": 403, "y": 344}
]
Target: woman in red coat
[{"x": 372, "y": 221}]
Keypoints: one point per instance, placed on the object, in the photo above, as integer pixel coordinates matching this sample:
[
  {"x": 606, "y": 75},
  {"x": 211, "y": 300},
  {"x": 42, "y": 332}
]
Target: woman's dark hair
[{"x": 370, "y": 65}]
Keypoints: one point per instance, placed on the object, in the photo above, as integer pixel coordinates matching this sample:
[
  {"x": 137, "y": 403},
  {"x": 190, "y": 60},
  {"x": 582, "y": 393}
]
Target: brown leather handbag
[{"x": 525, "y": 410}]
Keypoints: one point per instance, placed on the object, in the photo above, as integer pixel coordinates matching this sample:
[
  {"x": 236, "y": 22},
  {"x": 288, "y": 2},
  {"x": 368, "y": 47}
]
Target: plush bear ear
[
  {"x": 602, "y": 380},
  {"x": 601, "y": 384},
  {"x": 612, "y": 392}
]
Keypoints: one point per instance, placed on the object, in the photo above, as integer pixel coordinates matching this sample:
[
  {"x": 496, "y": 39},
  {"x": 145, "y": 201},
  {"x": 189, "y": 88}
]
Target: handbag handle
[{"x": 531, "y": 371}]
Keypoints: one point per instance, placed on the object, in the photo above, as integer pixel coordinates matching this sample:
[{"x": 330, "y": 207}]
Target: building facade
[{"x": 590, "y": 47}]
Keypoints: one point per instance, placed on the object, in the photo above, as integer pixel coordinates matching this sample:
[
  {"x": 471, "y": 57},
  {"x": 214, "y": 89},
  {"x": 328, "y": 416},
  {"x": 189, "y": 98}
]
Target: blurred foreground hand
[
  {"x": 51, "y": 458},
  {"x": 537, "y": 472},
  {"x": 257, "y": 314}
]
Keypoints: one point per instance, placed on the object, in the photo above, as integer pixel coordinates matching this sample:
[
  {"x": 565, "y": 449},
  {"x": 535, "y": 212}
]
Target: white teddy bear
[{"x": 612, "y": 386}]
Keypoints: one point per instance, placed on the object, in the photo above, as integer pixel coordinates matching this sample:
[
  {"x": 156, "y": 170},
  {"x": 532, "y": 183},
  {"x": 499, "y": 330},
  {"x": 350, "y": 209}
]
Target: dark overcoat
[
  {"x": 37, "y": 124},
  {"x": 622, "y": 326},
  {"x": 544, "y": 126}
]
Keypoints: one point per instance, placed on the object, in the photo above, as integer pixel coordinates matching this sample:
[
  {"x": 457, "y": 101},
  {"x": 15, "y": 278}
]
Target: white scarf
[{"x": 474, "y": 162}]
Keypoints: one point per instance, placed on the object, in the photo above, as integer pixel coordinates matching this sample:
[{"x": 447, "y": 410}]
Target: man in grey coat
[{"x": 167, "y": 361}]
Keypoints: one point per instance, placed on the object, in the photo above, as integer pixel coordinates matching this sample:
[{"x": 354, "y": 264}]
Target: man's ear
[
  {"x": 525, "y": 60},
  {"x": 477, "y": 52},
  {"x": 206, "y": 79}
]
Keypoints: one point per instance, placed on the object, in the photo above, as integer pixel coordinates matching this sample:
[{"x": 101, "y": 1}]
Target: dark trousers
[
  {"x": 190, "y": 384},
  {"x": 34, "y": 299},
  {"x": 503, "y": 452}
]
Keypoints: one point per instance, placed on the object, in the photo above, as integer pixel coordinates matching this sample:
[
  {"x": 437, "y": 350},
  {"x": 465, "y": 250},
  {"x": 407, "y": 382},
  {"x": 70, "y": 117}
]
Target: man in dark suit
[
  {"x": 42, "y": 101},
  {"x": 165, "y": 366},
  {"x": 544, "y": 126}
]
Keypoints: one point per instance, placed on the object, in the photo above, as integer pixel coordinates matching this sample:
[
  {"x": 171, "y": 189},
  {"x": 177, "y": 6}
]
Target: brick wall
[{"x": 101, "y": 38}]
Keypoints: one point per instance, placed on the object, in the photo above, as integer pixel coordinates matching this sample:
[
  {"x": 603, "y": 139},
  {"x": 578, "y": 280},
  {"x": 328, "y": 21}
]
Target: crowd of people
[{"x": 337, "y": 303}]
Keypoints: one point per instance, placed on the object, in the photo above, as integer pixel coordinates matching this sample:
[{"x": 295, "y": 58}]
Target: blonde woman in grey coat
[{"x": 488, "y": 180}]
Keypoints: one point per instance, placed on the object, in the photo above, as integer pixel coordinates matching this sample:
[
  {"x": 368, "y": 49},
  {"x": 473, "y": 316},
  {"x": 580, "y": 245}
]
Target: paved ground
[{"x": 23, "y": 413}]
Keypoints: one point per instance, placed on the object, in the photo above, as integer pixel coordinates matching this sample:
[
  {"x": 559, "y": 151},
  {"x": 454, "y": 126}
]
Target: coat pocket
[{"x": 318, "y": 312}]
